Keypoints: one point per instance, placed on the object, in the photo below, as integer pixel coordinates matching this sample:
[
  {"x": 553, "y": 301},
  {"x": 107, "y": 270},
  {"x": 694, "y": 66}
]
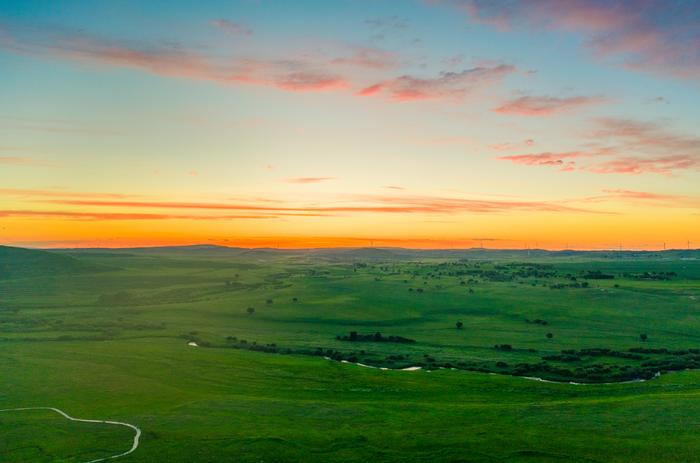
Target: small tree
[
  {"x": 643, "y": 337},
  {"x": 459, "y": 325},
  {"x": 550, "y": 335},
  {"x": 250, "y": 310}
]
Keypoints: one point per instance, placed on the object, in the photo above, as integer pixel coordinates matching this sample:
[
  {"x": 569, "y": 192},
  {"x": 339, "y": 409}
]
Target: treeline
[
  {"x": 354, "y": 336},
  {"x": 647, "y": 368},
  {"x": 572, "y": 355}
]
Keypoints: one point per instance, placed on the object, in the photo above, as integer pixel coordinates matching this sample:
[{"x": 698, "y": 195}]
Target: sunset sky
[{"x": 430, "y": 124}]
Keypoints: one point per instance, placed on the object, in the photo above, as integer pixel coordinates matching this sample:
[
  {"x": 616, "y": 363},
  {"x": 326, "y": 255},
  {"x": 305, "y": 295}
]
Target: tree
[
  {"x": 550, "y": 335},
  {"x": 643, "y": 337},
  {"x": 459, "y": 325},
  {"x": 250, "y": 310}
]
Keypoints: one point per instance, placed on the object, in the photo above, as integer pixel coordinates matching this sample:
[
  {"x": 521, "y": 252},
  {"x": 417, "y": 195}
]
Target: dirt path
[{"x": 137, "y": 431}]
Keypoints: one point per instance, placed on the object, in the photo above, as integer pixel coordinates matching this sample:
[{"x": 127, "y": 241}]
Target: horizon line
[{"x": 314, "y": 248}]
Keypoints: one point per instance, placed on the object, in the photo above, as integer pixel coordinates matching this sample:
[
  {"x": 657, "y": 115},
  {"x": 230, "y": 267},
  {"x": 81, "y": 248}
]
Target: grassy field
[{"x": 104, "y": 335}]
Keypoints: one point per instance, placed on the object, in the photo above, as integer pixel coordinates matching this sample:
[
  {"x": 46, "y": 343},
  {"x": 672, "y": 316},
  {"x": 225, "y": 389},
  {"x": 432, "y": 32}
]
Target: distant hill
[
  {"x": 23, "y": 263},
  {"x": 373, "y": 253}
]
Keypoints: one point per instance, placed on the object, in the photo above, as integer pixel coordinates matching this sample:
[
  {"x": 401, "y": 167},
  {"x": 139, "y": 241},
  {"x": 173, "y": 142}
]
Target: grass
[{"x": 64, "y": 344}]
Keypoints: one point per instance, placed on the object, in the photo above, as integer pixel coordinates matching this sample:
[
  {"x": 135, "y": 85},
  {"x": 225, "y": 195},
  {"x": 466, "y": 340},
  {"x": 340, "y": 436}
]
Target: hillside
[{"x": 24, "y": 263}]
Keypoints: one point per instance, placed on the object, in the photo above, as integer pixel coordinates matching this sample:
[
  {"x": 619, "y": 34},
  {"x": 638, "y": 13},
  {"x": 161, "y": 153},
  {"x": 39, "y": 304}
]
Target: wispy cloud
[
  {"x": 170, "y": 60},
  {"x": 110, "y": 216},
  {"x": 623, "y": 146},
  {"x": 645, "y": 197},
  {"x": 454, "y": 86},
  {"x": 232, "y": 28},
  {"x": 511, "y": 146},
  {"x": 388, "y": 204},
  {"x": 21, "y": 161},
  {"x": 665, "y": 165},
  {"x": 367, "y": 57},
  {"x": 57, "y": 193},
  {"x": 659, "y": 36},
  {"x": 548, "y": 159},
  {"x": 545, "y": 105},
  {"x": 306, "y": 180}
]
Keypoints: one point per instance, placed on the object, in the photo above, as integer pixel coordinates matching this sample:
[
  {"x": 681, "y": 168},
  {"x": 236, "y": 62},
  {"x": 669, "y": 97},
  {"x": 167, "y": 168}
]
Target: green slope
[{"x": 26, "y": 263}]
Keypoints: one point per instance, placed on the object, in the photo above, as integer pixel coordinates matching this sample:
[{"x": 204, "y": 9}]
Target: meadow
[{"x": 274, "y": 376}]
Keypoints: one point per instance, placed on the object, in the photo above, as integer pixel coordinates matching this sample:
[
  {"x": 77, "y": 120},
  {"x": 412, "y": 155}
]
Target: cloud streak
[
  {"x": 545, "y": 105},
  {"x": 390, "y": 204},
  {"x": 657, "y": 36},
  {"x": 452, "y": 86},
  {"x": 307, "y": 180},
  {"x": 169, "y": 60},
  {"x": 623, "y": 146},
  {"x": 231, "y": 28},
  {"x": 20, "y": 161}
]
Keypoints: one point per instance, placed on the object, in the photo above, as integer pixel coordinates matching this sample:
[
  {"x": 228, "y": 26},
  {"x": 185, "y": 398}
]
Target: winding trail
[
  {"x": 137, "y": 431},
  {"x": 529, "y": 378}
]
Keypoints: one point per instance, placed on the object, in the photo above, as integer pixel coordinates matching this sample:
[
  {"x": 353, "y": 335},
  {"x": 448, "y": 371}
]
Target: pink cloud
[
  {"x": 623, "y": 146},
  {"x": 646, "y": 198},
  {"x": 446, "y": 86},
  {"x": 630, "y": 165},
  {"x": 646, "y": 35},
  {"x": 173, "y": 61},
  {"x": 367, "y": 57},
  {"x": 545, "y": 159},
  {"x": 306, "y": 180},
  {"x": 511, "y": 146},
  {"x": 545, "y": 105},
  {"x": 232, "y": 28}
]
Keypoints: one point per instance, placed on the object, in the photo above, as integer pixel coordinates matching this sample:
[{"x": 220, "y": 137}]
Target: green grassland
[{"x": 104, "y": 334}]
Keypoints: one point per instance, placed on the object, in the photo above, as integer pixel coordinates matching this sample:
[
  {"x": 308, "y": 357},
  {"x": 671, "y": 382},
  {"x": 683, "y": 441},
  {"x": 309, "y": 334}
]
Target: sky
[{"x": 417, "y": 123}]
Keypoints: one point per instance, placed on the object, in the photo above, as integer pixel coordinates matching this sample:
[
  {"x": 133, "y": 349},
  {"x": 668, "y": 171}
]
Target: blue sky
[{"x": 439, "y": 120}]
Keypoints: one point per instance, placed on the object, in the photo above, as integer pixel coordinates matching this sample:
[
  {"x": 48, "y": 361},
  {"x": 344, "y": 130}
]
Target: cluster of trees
[
  {"x": 272, "y": 348},
  {"x": 354, "y": 336},
  {"x": 662, "y": 350},
  {"x": 597, "y": 275},
  {"x": 583, "y": 284},
  {"x": 537, "y": 321},
  {"x": 651, "y": 275},
  {"x": 572, "y": 355}
]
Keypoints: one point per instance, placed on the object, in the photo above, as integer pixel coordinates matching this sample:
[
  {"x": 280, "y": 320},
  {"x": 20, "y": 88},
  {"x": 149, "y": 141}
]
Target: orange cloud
[
  {"x": 545, "y": 105},
  {"x": 356, "y": 204},
  {"x": 79, "y": 215},
  {"x": 29, "y": 193},
  {"x": 648, "y": 198}
]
